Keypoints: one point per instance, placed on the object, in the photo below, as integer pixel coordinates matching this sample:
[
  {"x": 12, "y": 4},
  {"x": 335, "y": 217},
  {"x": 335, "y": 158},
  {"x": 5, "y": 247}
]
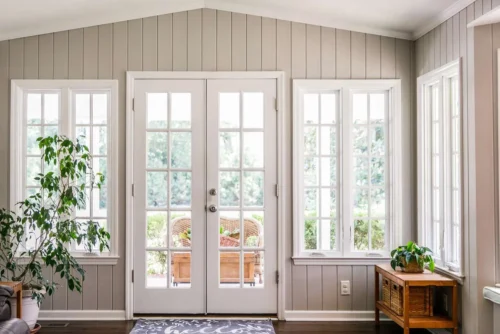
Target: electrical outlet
[
  {"x": 345, "y": 288},
  {"x": 445, "y": 302}
]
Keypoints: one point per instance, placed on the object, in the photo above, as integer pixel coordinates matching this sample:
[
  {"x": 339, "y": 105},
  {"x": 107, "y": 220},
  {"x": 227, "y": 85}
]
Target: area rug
[{"x": 202, "y": 326}]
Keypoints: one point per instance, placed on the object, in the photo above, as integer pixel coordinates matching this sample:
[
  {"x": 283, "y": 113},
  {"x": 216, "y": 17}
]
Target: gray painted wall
[
  {"x": 212, "y": 40},
  {"x": 477, "y": 48}
]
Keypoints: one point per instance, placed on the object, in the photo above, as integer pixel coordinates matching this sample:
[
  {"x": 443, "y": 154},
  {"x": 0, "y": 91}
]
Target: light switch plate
[{"x": 345, "y": 288}]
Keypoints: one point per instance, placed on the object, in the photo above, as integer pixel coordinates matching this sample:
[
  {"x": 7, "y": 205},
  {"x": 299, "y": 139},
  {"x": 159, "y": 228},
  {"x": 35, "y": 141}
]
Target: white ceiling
[{"x": 396, "y": 18}]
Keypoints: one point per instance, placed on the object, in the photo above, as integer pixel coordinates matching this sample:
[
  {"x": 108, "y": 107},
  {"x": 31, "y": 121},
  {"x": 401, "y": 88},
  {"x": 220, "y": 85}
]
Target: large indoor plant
[
  {"x": 39, "y": 230},
  {"x": 412, "y": 258}
]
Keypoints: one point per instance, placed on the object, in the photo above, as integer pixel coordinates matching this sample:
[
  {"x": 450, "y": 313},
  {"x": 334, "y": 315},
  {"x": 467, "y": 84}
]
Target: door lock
[
  {"x": 212, "y": 208},
  {"x": 213, "y": 191}
]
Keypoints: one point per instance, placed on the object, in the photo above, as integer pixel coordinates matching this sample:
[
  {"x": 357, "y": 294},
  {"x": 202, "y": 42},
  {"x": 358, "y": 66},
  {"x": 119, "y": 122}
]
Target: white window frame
[
  {"x": 345, "y": 252},
  {"x": 441, "y": 78},
  {"x": 66, "y": 89}
]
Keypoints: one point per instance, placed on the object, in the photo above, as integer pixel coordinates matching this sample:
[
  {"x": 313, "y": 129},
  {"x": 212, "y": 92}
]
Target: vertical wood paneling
[
  {"x": 343, "y": 50},
  {"x": 74, "y": 299},
  {"x": 314, "y": 288},
  {"x": 430, "y": 51},
  {"x": 165, "y": 47},
  {"x": 76, "y": 54},
  {"x": 495, "y": 3},
  {"x": 60, "y": 297},
  {"x": 370, "y": 283},
  {"x": 89, "y": 294},
  {"x": 344, "y": 273},
  {"x": 328, "y": 56},
  {"x": 4, "y": 122},
  {"x": 90, "y": 46},
  {"x": 254, "y": 43},
  {"x": 31, "y": 57},
  {"x": 119, "y": 68},
  {"x": 105, "y": 52},
  {"x": 47, "y": 302},
  {"x": 194, "y": 40},
  {"x": 425, "y": 53},
  {"x": 299, "y": 287},
  {"x": 61, "y": 55},
  {"x": 437, "y": 47},
  {"x": 150, "y": 44},
  {"x": 330, "y": 284},
  {"x": 388, "y": 50},
  {"x": 46, "y": 56},
  {"x": 269, "y": 44},
  {"x": 239, "y": 42},
  {"x": 209, "y": 43},
  {"x": 359, "y": 287},
  {"x": 105, "y": 288},
  {"x": 444, "y": 35},
  {"x": 358, "y": 55},
  {"x": 299, "y": 70},
  {"x": 449, "y": 40},
  {"x": 486, "y": 6},
  {"x": 224, "y": 41},
  {"x": 313, "y": 52},
  {"x": 456, "y": 36},
  {"x": 373, "y": 62},
  {"x": 134, "y": 51}
]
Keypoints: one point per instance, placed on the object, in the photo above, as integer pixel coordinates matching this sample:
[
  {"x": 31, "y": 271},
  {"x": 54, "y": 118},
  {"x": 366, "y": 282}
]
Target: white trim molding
[
  {"x": 81, "y": 315},
  {"x": 333, "y": 316},
  {"x": 341, "y": 261},
  {"x": 491, "y": 17},
  {"x": 283, "y": 182}
]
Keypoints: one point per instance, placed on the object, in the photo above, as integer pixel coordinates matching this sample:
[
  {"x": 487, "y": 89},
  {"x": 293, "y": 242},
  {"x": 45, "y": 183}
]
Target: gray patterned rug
[{"x": 203, "y": 326}]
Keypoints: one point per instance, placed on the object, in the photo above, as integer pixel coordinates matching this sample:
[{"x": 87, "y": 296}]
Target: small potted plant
[
  {"x": 37, "y": 232},
  {"x": 412, "y": 258}
]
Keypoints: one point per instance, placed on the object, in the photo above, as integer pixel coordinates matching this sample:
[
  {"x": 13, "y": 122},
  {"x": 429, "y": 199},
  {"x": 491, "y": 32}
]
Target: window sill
[
  {"x": 88, "y": 260},
  {"x": 338, "y": 261},
  {"x": 492, "y": 294},
  {"x": 451, "y": 274}
]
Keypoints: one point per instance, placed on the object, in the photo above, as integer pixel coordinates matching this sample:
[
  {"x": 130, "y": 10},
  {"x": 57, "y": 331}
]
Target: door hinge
[
  {"x": 277, "y": 277},
  {"x": 277, "y": 190},
  {"x": 132, "y": 276},
  {"x": 133, "y": 190},
  {"x": 133, "y": 104}
]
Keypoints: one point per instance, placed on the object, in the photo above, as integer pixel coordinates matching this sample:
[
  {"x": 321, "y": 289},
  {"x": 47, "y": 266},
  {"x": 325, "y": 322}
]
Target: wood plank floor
[{"x": 281, "y": 327}]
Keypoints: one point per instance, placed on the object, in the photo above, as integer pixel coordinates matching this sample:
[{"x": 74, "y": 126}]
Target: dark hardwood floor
[{"x": 281, "y": 327}]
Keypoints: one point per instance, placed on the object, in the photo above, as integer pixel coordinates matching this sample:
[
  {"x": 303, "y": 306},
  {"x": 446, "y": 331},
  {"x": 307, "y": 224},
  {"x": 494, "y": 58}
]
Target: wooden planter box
[
  {"x": 420, "y": 300},
  {"x": 229, "y": 267}
]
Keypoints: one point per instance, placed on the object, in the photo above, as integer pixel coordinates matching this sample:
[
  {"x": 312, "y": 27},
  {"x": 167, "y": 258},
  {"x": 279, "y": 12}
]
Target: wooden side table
[
  {"x": 18, "y": 290},
  {"x": 407, "y": 280}
]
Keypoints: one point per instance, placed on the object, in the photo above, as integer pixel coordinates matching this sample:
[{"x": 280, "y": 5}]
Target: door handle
[{"x": 212, "y": 208}]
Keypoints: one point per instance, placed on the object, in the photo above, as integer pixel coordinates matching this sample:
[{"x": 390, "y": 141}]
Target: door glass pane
[
  {"x": 181, "y": 270},
  {"x": 156, "y": 269},
  {"x": 157, "y": 188},
  {"x": 157, "y": 106},
  {"x": 253, "y": 110},
  {"x": 181, "y": 110},
  {"x": 181, "y": 231},
  {"x": 157, "y": 149},
  {"x": 253, "y": 227},
  {"x": 180, "y": 189},
  {"x": 100, "y": 140},
  {"x": 34, "y": 108},
  {"x": 156, "y": 229},
  {"x": 253, "y": 150},
  {"x": 229, "y": 269},
  {"x": 229, "y": 229},
  {"x": 181, "y": 149},
  {"x": 229, "y": 110},
  {"x": 51, "y": 108},
  {"x": 254, "y": 269},
  {"x": 229, "y": 188},
  {"x": 229, "y": 149},
  {"x": 253, "y": 189}
]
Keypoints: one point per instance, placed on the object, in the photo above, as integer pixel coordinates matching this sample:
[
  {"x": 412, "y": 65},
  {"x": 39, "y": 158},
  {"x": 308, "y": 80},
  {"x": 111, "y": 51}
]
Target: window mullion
[{"x": 346, "y": 176}]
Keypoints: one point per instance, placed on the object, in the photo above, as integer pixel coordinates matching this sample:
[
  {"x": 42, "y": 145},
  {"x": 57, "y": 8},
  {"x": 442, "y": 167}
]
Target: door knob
[
  {"x": 213, "y": 192},
  {"x": 212, "y": 208}
]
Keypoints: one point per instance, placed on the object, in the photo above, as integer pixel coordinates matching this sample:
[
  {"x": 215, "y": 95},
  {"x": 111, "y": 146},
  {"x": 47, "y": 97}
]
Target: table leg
[
  {"x": 455, "y": 309},
  {"x": 406, "y": 308},
  {"x": 19, "y": 306},
  {"x": 377, "y": 296}
]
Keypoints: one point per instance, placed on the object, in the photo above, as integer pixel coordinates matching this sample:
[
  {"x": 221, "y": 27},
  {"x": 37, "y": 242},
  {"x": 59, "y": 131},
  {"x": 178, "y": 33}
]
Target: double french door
[{"x": 205, "y": 206}]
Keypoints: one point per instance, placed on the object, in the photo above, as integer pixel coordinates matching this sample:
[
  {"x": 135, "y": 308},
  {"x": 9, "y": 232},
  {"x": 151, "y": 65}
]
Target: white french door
[{"x": 205, "y": 206}]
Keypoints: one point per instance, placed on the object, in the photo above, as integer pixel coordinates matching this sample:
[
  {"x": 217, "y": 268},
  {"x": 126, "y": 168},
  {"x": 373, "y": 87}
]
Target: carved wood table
[{"x": 407, "y": 280}]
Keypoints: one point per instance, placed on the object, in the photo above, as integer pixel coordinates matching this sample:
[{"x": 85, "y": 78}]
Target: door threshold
[{"x": 271, "y": 317}]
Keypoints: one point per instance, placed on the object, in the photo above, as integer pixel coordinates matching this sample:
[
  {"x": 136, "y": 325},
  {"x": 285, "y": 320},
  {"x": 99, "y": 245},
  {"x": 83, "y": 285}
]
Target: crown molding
[{"x": 446, "y": 14}]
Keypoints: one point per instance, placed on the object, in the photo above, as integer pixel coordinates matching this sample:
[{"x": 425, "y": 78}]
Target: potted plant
[
  {"x": 38, "y": 231},
  {"x": 412, "y": 258}
]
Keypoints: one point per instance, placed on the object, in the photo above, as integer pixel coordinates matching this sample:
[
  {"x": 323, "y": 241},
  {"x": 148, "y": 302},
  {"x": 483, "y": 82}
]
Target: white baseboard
[
  {"x": 82, "y": 315},
  {"x": 332, "y": 316}
]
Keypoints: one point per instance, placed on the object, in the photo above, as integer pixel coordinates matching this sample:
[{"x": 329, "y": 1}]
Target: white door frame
[{"x": 132, "y": 76}]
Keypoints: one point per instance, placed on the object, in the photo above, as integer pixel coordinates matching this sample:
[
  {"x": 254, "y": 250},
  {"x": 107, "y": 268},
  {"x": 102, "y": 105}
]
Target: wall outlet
[
  {"x": 445, "y": 302},
  {"x": 345, "y": 288}
]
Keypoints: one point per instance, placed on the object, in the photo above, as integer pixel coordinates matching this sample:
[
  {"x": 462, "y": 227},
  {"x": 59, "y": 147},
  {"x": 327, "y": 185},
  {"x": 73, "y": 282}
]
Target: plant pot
[
  {"x": 412, "y": 267},
  {"x": 30, "y": 309}
]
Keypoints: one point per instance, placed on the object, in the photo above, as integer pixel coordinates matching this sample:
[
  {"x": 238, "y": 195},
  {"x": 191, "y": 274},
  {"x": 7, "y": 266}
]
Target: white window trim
[
  {"x": 18, "y": 87},
  {"x": 346, "y": 87},
  {"x": 447, "y": 71}
]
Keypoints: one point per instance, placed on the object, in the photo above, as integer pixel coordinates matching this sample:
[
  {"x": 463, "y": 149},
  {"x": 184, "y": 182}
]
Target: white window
[
  {"x": 346, "y": 168},
  {"x": 77, "y": 109},
  {"x": 439, "y": 165}
]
